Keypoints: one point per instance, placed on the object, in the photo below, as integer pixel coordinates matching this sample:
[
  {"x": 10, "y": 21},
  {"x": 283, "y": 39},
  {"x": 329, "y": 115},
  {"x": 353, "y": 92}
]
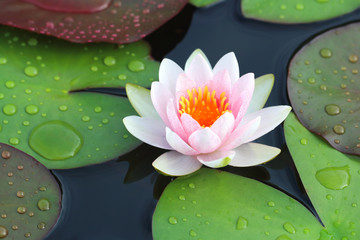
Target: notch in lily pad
[
  {"x": 47, "y": 106},
  {"x": 324, "y": 87},
  {"x": 30, "y": 196}
]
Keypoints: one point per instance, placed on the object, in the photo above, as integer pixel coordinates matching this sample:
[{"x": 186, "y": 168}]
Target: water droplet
[
  {"x": 32, "y": 42},
  {"x": 335, "y": 178},
  {"x": 97, "y": 109},
  {"x": 26, "y": 123},
  {"x": 94, "y": 68},
  {"x": 299, "y": 6},
  {"x": 122, "y": 77},
  {"x": 63, "y": 108},
  {"x": 266, "y": 217},
  {"x": 32, "y": 109},
  {"x": 10, "y": 84},
  {"x": 271, "y": 204},
  {"x": 329, "y": 197},
  {"x": 241, "y": 223},
  {"x": 43, "y": 189},
  {"x": 43, "y": 204},
  {"x": 339, "y": 129},
  {"x": 136, "y": 66},
  {"x": 65, "y": 140},
  {"x": 289, "y": 228},
  {"x": 109, "y": 61},
  {"x": 306, "y": 231},
  {"x": 20, "y": 194},
  {"x": 283, "y": 237},
  {"x": 27, "y": 235},
  {"x": 41, "y": 226},
  {"x": 325, "y": 53},
  {"x": 353, "y": 58},
  {"x": 191, "y": 185},
  {"x": 21, "y": 210},
  {"x": 9, "y": 109},
  {"x": 182, "y": 197},
  {"x": 193, "y": 233},
  {"x": 173, "y": 220},
  {"x": 3, "y": 232},
  {"x": 85, "y": 118},
  {"x": 332, "y": 109},
  {"x": 311, "y": 80},
  {"x": 31, "y": 71},
  {"x": 303, "y": 141},
  {"x": 323, "y": 87},
  {"x": 3, "y": 60},
  {"x": 14, "y": 141}
]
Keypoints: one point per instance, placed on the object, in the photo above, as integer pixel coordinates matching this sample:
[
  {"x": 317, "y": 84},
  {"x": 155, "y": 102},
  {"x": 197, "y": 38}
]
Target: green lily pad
[
  {"x": 331, "y": 179},
  {"x": 203, "y": 3},
  {"x": 324, "y": 87},
  {"x": 211, "y": 204},
  {"x": 30, "y": 197},
  {"x": 43, "y": 108},
  {"x": 300, "y": 11}
]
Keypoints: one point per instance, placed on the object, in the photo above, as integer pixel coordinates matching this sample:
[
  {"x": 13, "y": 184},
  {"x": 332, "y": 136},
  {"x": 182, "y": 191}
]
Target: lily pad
[
  {"x": 331, "y": 179},
  {"x": 90, "y": 21},
  {"x": 324, "y": 87},
  {"x": 44, "y": 109},
  {"x": 203, "y": 3},
  {"x": 212, "y": 204},
  {"x": 300, "y": 11},
  {"x": 30, "y": 197}
]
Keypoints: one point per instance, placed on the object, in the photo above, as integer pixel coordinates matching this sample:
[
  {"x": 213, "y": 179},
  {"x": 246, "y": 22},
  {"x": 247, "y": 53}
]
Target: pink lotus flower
[{"x": 204, "y": 115}]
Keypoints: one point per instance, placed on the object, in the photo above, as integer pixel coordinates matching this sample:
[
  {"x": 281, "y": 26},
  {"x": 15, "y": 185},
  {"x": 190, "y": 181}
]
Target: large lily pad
[
  {"x": 331, "y": 179},
  {"x": 324, "y": 87},
  {"x": 300, "y": 11},
  {"x": 30, "y": 196},
  {"x": 90, "y": 21},
  {"x": 44, "y": 111},
  {"x": 212, "y": 205}
]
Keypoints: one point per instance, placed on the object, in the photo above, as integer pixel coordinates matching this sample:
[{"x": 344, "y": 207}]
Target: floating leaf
[
  {"x": 44, "y": 111},
  {"x": 212, "y": 204},
  {"x": 29, "y": 198},
  {"x": 203, "y": 3},
  {"x": 331, "y": 179},
  {"x": 324, "y": 87},
  {"x": 300, "y": 11},
  {"x": 90, "y": 21}
]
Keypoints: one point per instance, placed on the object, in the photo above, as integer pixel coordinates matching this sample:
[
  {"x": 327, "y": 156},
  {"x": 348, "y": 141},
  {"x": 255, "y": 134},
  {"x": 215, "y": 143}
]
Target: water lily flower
[{"x": 204, "y": 115}]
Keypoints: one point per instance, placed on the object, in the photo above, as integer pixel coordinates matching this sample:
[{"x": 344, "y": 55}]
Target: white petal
[
  {"x": 271, "y": 117},
  {"x": 263, "y": 87},
  {"x": 204, "y": 140},
  {"x": 251, "y": 154},
  {"x": 169, "y": 72},
  {"x": 148, "y": 130},
  {"x": 160, "y": 96},
  {"x": 229, "y": 62},
  {"x": 216, "y": 159},
  {"x": 176, "y": 164},
  {"x": 178, "y": 144},
  {"x": 140, "y": 99},
  {"x": 194, "y": 53},
  {"x": 199, "y": 70}
]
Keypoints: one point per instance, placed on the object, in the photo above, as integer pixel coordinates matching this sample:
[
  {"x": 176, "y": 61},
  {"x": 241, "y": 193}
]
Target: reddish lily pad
[
  {"x": 211, "y": 204},
  {"x": 44, "y": 109},
  {"x": 300, "y": 11},
  {"x": 30, "y": 197},
  {"x": 90, "y": 21},
  {"x": 324, "y": 87}
]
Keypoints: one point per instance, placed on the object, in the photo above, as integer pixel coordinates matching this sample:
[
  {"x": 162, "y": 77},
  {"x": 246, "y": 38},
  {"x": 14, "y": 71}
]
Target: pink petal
[
  {"x": 271, "y": 117},
  {"x": 241, "y": 134},
  {"x": 148, "y": 130},
  {"x": 224, "y": 125},
  {"x": 204, "y": 140},
  {"x": 183, "y": 84},
  {"x": 199, "y": 70},
  {"x": 160, "y": 95},
  {"x": 251, "y": 154},
  {"x": 189, "y": 124},
  {"x": 169, "y": 72},
  {"x": 178, "y": 144},
  {"x": 174, "y": 121},
  {"x": 176, "y": 164},
  {"x": 221, "y": 83},
  {"x": 241, "y": 95},
  {"x": 216, "y": 159},
  {"x": 229, "y": 62}
]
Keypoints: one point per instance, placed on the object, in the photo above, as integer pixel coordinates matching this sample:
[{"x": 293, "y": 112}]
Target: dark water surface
[{"x": 116, "y": 200}]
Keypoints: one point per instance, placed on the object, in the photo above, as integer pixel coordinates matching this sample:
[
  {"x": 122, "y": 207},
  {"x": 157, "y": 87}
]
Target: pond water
[{"x": 116, "y": 200}]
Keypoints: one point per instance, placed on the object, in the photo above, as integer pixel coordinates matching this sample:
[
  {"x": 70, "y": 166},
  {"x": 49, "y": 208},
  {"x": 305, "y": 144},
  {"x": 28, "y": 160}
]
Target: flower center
[{"x": 203, "y": 106}]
